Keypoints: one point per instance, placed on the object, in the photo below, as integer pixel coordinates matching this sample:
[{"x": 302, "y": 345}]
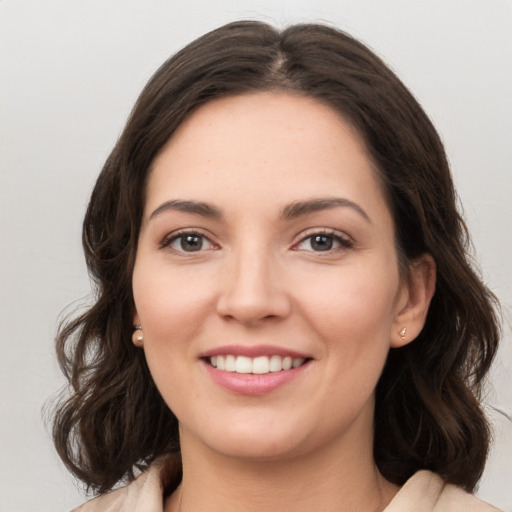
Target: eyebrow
[
  {"x": 291, "y": 211},
  {"x": 194, "y": 207},
  {"x": 299, "y": 208}
]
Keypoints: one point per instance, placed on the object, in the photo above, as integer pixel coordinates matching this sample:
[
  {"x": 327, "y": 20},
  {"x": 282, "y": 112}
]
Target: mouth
[
  {"x": 260, "y": 365},
  {"x": 254, "y": 370}
]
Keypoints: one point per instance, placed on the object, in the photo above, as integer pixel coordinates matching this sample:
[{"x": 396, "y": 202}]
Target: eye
[
  {"x": 323, "y": 242},
  {"x": 188, "y": 242}
]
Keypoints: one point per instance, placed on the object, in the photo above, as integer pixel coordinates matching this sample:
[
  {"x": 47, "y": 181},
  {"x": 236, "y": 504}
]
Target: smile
[{"x": 256, "y": 365}]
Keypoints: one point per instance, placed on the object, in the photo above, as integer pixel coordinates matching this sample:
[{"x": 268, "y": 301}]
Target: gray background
[{"x": 70, "y": 72}]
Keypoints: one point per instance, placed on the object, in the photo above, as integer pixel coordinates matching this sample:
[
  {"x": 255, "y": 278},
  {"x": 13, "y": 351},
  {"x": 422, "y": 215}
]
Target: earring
[
  {"x": 402, "y": 333},
  {"x": 137, "y": 336}
]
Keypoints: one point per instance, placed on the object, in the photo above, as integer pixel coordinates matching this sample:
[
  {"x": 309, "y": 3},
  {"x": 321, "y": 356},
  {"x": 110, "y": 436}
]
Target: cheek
[
  {"x": 170, "y": 303},
  {"x": 352, "y": 310},
  {"x": 168, "y": 327},
  {"x": 171, "y": 307}
]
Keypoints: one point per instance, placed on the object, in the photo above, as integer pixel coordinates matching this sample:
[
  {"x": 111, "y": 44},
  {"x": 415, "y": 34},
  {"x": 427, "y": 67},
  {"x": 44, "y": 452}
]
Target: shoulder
[
  {"x": 144, "y": 494},
  {"x": 455, "y": 498},
  {"x": 427, "y": 492}
]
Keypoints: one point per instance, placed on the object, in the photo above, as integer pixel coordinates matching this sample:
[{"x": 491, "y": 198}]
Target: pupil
[
  {"x": 191, "y": 243},
  {"x": 321, "y": 242}
]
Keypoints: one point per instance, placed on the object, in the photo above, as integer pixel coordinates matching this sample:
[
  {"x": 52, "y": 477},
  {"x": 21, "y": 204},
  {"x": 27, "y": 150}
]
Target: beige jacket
[{"x": 423, "y": 492}]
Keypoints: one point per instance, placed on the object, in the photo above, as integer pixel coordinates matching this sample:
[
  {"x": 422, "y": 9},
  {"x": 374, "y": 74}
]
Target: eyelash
[
  {"x": 344, "y": 241},
  {"x": 335, "y": 237},
  {"x": 167, "y": 241}
]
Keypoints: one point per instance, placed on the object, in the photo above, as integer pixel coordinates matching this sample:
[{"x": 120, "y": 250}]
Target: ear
[
  {"x": 417, "y": 291},
  {"x": 137, "y": 336}
]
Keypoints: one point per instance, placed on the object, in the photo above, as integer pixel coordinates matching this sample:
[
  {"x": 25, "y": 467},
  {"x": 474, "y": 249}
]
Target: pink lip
[
  {"x": 251, "y": 384},
  {"x": 253, "y": 351}
]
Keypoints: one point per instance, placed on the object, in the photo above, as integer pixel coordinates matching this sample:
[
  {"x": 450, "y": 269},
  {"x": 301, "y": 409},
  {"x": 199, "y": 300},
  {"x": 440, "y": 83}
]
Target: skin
[{"x": 258, "y": 279}]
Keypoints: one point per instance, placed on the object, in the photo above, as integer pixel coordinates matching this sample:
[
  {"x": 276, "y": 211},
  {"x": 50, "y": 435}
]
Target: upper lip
[{"x": 253, "y": 351}]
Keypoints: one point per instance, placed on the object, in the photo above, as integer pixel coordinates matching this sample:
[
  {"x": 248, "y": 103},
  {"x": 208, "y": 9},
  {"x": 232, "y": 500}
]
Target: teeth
[
  {"x": 297, "y": 362},
  {"x": 276, "y": 364},
  {"x": 259, "y": 365},
  {"x": 230, "y": 363},
  {"x": 243, "y": 364}
]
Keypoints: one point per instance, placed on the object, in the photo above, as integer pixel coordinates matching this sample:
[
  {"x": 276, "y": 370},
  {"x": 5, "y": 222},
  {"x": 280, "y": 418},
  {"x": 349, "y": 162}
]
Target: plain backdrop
[{"x": 70, "y": 72}]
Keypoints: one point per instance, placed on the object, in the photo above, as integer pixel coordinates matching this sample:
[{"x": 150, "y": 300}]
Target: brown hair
[{"x": 428, "y": 414}]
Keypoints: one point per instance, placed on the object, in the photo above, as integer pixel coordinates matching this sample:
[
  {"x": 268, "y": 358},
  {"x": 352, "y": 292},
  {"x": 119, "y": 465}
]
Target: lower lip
[{"x": 252, "y": 384}]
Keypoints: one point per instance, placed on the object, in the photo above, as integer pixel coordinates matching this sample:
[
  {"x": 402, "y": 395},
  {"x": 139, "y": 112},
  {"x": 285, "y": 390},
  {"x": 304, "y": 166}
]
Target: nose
[{"x": 253, "y": 290}]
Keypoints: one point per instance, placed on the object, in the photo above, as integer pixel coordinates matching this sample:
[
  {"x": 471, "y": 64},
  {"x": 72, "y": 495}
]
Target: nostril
[{"x": 253, "y": 308}]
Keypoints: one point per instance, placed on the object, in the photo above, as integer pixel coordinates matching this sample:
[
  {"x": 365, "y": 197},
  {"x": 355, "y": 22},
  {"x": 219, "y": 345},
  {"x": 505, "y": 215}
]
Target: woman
[{"x": 286, "y": 317}]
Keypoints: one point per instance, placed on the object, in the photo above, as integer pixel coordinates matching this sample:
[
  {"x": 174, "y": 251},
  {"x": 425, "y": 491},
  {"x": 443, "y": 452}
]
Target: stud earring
[
  {"x": 137, "y": 336},
  {"x": 402, "y": 333}
]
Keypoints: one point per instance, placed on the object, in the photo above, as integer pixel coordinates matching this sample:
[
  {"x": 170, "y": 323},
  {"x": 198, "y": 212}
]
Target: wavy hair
[{"x": 428, "y": 413}]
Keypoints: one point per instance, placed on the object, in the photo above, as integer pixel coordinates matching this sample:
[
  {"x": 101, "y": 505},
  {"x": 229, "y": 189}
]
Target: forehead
[{"x": 261, "y": 146}]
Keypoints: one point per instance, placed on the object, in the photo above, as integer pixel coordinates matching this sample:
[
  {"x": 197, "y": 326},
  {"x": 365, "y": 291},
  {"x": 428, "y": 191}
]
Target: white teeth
[
  {"x": 259, "y": 365},
  {"x": 230, "y": 364},
  {"x": 276, "y": 364},
  {"x": 243, "y": 364}
]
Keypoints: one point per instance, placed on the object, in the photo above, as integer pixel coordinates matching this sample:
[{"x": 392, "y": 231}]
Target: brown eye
[
  {"x": 188, "y": 242},
  {"x": 321, "y": 242},
  {"x": 324, "y": 242},
  {"x": 191, "y": 243}
]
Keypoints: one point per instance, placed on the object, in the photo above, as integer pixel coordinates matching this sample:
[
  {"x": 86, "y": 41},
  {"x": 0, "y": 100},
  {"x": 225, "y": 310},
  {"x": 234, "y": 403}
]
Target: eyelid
[
  {"x": 345, "y": 240},
  {"x": 175, "y": 235}
]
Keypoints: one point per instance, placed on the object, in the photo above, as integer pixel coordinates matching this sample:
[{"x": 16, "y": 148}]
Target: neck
[{"x": 340, "y": 478}]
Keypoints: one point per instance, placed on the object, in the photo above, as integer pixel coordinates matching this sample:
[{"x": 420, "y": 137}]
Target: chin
[
  {"x": 252, "y": 442},
  {"x": 259, "y": 450}
]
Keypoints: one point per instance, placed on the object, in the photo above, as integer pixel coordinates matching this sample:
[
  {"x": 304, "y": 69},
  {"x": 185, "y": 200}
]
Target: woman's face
[{"x": 267, "y": 242}]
